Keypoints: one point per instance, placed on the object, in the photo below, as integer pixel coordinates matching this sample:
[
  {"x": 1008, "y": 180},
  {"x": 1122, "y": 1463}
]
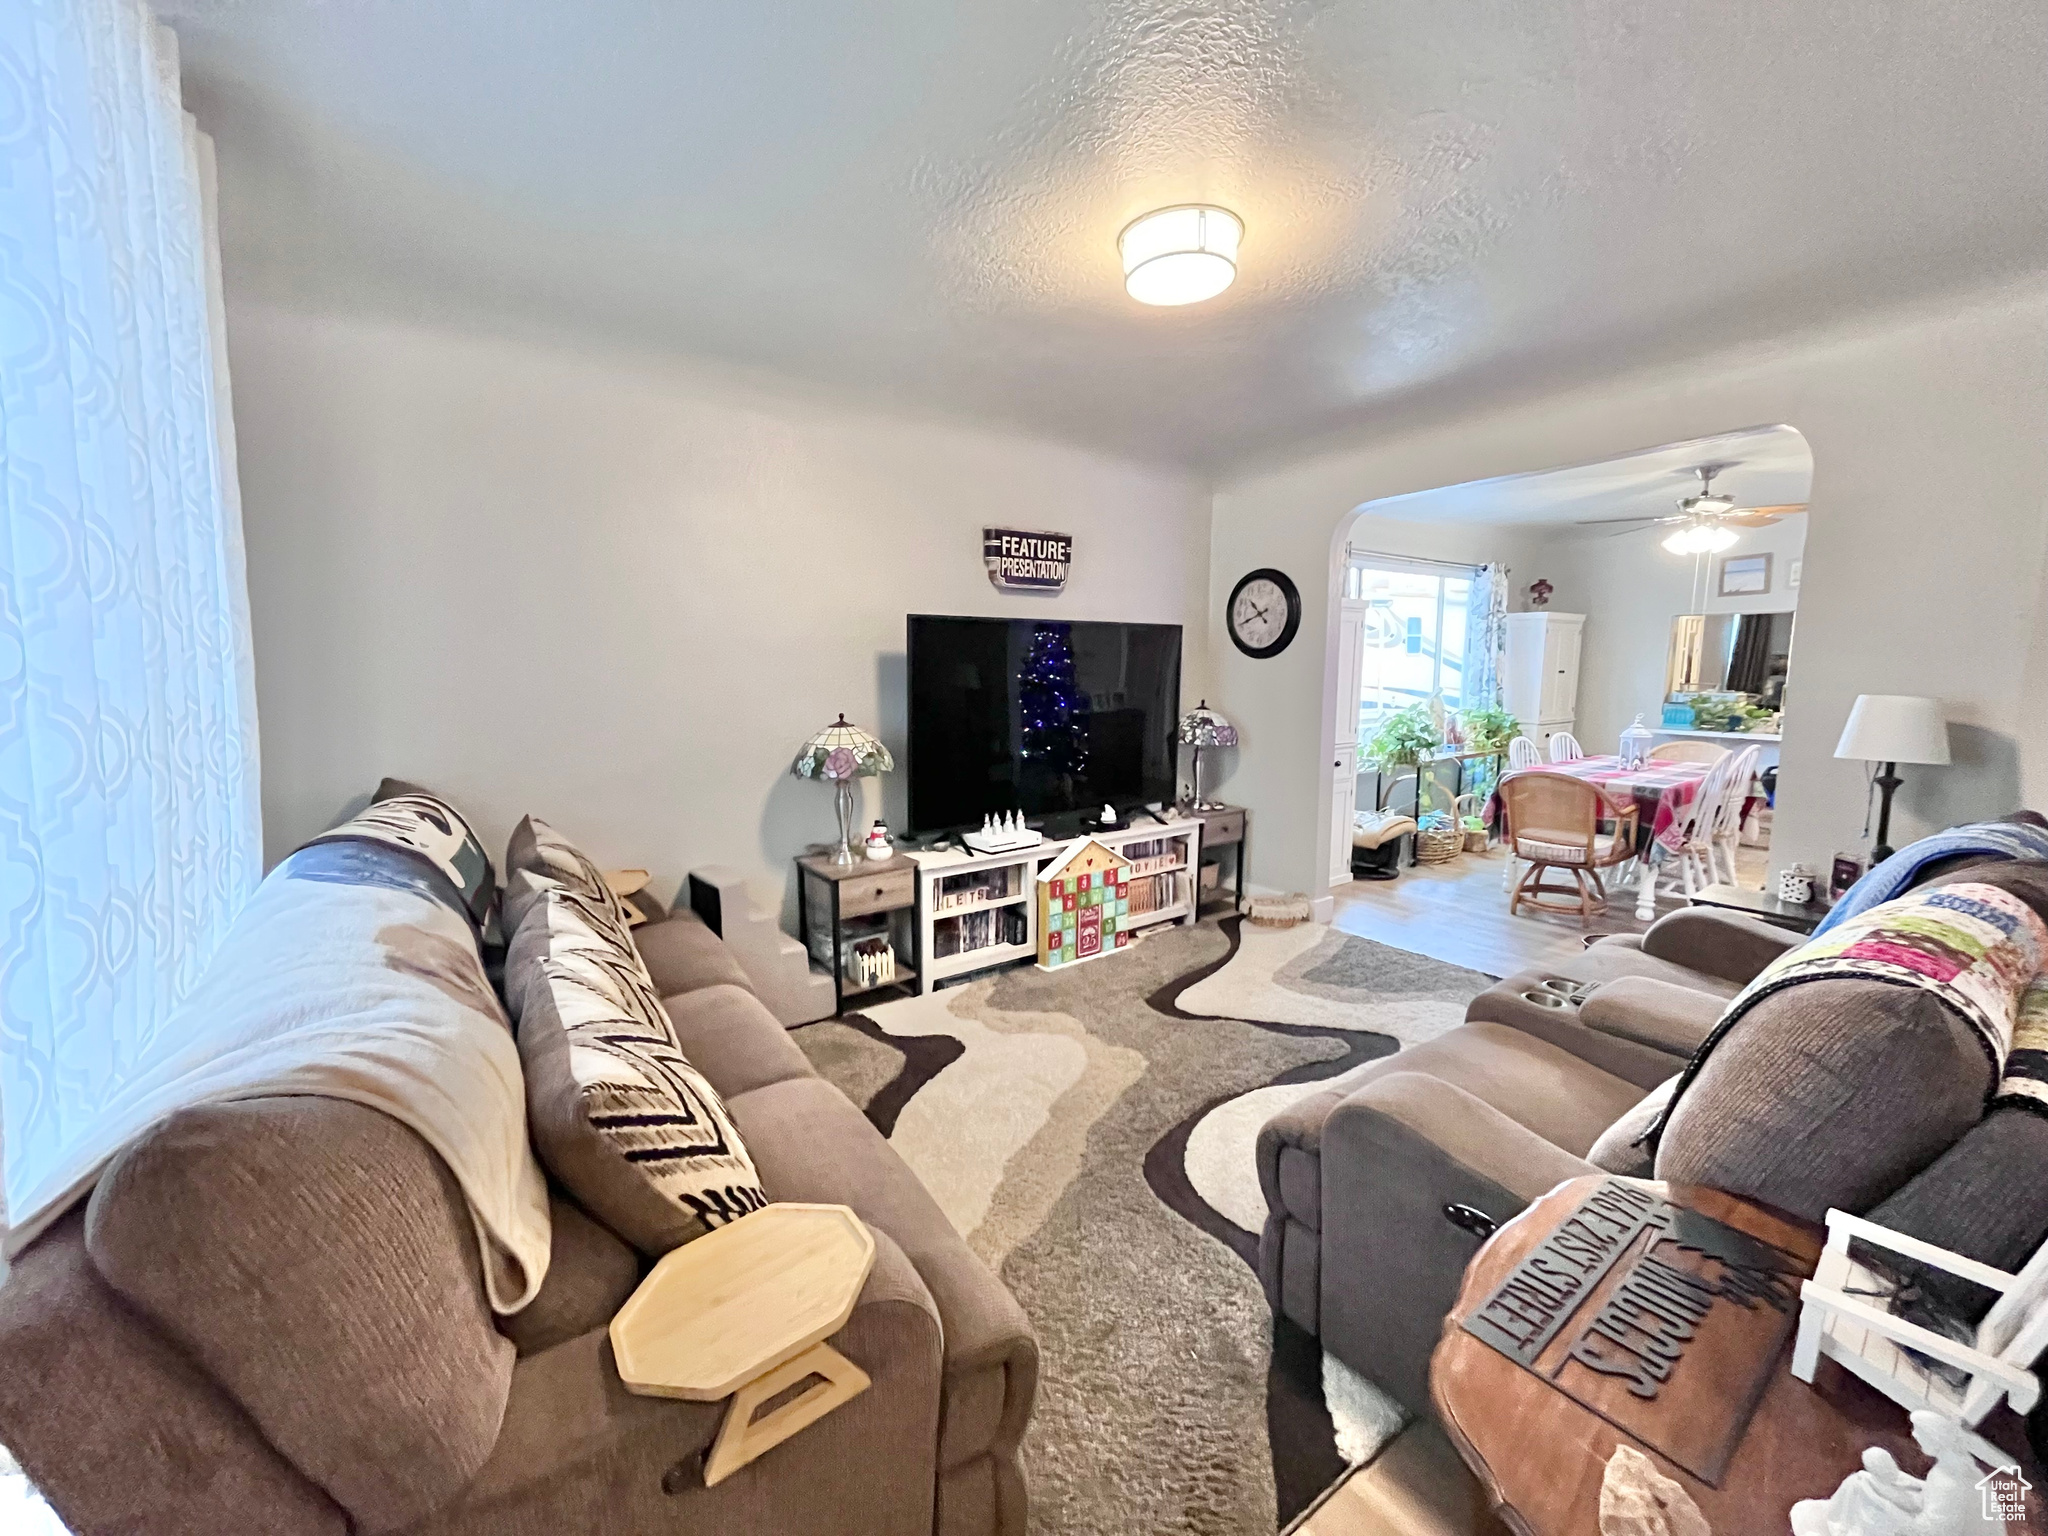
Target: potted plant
[
  {"x": 1407, "y": 739},
  {"x": 1488, "y": 730}
]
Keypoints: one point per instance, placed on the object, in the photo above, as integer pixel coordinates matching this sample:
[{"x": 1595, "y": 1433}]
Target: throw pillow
[
  {"x": 618, "y": 1114},
  {"x": 427, "y": 825},
  {"x": 539, "y": 859}
]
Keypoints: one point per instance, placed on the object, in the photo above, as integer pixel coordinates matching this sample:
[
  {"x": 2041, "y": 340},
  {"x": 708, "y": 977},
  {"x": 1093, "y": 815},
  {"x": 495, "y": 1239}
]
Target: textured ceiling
[
  {"x": 1759, "y": 467},
  {"x": 917, "y": 201}
]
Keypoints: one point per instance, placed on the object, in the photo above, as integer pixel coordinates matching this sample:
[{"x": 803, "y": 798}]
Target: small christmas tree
[{"x": 1055, "y": 723}]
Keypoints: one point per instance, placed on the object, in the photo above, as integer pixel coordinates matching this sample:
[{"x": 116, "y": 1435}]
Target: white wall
[
  {"x": 1630, "y": 590},
  {"x": 620, "y": 595},
  {"x": 1923, "y": 573}
]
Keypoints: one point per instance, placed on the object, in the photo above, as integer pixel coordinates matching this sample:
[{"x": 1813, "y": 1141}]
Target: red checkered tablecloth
[{"x": 1659, "y": 789}]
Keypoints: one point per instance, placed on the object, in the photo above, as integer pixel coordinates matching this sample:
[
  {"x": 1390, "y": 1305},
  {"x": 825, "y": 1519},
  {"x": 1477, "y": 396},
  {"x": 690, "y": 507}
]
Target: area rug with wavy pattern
[{"x": 1091, "y": 1133}]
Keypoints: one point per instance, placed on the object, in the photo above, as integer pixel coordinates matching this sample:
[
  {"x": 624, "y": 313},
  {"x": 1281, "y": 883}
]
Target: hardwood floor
[{"x": 1457, "y": 911}]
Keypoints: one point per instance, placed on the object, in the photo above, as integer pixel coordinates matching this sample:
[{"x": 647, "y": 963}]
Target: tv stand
[{"x": 991, "y": 899}]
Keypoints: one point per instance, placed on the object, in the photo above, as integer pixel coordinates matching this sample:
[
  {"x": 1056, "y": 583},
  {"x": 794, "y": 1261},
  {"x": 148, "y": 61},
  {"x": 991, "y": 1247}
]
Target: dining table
[{"x": 1660, "y": 790}]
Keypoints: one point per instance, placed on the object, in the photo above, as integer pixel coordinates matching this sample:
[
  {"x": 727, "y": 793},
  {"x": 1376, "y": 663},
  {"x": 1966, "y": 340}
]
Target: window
[{"x": 1413, "y": 643}]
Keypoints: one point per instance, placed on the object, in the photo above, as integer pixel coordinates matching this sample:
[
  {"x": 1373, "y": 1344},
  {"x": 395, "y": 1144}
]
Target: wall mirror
[{"x": 1730, "y": 653}]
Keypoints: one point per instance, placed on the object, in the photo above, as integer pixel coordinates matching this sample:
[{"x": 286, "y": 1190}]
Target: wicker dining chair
[
  {"x": 1687, "y": 752},
  {"x": 1554, "y": 823}
]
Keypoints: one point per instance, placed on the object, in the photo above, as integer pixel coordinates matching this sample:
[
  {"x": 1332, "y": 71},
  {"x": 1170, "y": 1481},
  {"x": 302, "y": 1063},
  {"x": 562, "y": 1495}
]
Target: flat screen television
[{"x": 1042, "y": 716}]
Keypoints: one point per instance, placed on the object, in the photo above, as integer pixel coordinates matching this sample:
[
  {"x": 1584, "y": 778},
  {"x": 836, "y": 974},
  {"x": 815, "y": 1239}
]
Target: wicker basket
[
  {"x": 1475, "y": 837},
  {"x": 1437, "y": 845}
]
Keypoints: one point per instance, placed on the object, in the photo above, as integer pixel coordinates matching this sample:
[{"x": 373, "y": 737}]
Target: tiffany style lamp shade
[
  {"x": 839, "y": 754},
  {"x": 1203, "y": 727}
]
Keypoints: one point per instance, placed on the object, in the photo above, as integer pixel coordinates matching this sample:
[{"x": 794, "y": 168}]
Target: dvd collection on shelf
[
  {"x": 984, "y": 929},
  {"x": 1148, "y": 893}
]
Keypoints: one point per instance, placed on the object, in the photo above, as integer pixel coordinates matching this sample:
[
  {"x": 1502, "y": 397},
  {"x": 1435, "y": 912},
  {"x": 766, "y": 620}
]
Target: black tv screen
[{"x": 1038, "y": 715}]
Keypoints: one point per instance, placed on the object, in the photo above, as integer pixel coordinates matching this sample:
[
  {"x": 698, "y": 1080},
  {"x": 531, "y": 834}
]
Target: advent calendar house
[{"x": 1082, "y": 903}]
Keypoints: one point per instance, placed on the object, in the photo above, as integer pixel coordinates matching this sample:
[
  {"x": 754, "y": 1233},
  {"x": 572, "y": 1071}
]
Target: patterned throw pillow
[
  {"x": 540, "y": 859},
  {"x": 618, "y": 1114},
  {"x": 429, "y": 826}
]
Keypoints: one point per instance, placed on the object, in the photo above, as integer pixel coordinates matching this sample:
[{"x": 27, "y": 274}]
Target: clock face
[{"x": 1264, "y": 613}]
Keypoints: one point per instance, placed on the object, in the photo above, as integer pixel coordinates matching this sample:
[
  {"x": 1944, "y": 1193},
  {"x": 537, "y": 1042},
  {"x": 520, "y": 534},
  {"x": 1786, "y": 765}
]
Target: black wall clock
[{"x": 1264, "y": 613}]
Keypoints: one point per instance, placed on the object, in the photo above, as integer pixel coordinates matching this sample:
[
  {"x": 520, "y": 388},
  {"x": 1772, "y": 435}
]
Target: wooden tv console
[{"x": 1011, "y": 886}]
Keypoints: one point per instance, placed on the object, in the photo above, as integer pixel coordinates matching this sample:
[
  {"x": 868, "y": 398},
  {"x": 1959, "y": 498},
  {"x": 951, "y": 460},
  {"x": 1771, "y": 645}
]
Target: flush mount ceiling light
[{"x": 1180, "y": 255}]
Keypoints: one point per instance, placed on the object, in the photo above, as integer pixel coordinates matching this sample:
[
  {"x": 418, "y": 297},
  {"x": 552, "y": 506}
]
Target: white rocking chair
[{"x": 1842, "y": 1316}]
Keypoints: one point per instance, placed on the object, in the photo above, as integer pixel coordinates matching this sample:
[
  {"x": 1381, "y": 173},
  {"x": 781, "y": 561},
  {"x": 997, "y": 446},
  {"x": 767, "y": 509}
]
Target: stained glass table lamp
[
  {"x": 839, "y": 754},
  {"x": 1204, "y": 727}
]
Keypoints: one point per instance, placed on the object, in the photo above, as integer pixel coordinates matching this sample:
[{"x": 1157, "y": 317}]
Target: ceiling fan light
[
  {"x": 1180, "y": 255},
  {"x": 1699, "y": 539}
]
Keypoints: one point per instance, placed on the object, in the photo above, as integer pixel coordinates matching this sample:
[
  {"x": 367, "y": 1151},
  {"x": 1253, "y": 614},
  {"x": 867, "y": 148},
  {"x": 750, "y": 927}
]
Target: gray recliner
[{"x": 1358, "y": 1247}]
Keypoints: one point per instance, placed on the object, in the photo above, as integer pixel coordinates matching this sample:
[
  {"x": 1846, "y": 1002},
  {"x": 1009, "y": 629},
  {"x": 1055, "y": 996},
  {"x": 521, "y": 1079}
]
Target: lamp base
[
  {"x": 1888, "y": 782},
  {"x": 844, "y": 853}
]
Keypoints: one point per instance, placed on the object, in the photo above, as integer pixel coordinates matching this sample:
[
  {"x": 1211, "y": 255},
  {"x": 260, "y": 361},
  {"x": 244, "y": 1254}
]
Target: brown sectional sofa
[{"x": 270, "y": 1317}]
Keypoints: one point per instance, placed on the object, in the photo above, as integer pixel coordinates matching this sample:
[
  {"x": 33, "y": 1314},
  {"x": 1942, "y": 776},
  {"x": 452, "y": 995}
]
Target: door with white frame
[
  {"x": 1401, "y": 641},
  {"x": 1344, "y": 749}
]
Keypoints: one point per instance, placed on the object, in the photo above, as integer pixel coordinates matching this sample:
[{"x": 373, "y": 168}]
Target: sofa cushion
[
  {"x": 1566, "y": 1101},
  {"x": 1619, "y": 1149},
  {"x": 428, "y": 826},
  {"x": 318, "y": 1260},
  {"x": 537, "y": 859},
  {"x": 618, "y": 1113},
  {"x": 591, "y": 1272},
  {"x": 1524, "y": 1002},
  {"x": 1985, "y": 1198},
  {"x": 732, "y": 1038},
  {"x": 1623, "y": 954},
  {"x": 1831, "y": 1093},
  {"x": 682, "y": 954},
  {"x": 810, "y": 1143},
  {"x": 1660, "y": 1014}
]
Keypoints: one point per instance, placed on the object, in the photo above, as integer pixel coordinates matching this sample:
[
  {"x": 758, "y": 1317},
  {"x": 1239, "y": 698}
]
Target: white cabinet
[{"x": 1539, "y": 680}]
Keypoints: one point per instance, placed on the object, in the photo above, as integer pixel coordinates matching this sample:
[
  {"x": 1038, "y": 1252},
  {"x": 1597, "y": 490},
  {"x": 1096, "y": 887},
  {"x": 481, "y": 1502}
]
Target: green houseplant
[
  {"x": 1489, "y": 730},
  {"x": 1405, "y": 739}
]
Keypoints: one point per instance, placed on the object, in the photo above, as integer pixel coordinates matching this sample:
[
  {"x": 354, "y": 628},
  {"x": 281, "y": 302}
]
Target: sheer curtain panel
[{"x": 129, "y": 830}]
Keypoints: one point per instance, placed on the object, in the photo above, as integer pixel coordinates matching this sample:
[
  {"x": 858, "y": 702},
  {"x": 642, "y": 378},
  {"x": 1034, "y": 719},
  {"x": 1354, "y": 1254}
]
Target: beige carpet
[{"x": 1091, "y": 1137}]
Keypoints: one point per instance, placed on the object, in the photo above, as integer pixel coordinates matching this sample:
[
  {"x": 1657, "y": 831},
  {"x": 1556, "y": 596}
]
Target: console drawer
[
  {"x": 1223, "y": 827},
  {"x": 861, "y": 894}
]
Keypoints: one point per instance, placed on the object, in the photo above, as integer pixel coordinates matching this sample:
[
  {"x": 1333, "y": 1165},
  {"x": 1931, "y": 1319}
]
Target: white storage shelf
[{"x": 1024, "y": 865}]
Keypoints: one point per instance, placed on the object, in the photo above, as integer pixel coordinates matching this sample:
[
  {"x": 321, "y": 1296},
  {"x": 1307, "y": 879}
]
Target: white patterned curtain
[
  {"x": 129, "y": 831},
  {"x": 1489, "y": 637}
]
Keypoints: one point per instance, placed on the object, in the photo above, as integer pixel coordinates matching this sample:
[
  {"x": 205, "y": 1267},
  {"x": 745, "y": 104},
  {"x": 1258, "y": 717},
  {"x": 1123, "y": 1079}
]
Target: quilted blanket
[{"x": 1979, "y": 949}]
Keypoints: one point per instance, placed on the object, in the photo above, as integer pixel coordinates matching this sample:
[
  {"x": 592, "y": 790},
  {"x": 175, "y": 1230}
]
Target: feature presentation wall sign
[{"x": 1020, "y": 560}]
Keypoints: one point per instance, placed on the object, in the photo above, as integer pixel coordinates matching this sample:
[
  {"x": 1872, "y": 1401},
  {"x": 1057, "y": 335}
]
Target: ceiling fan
[{"x": 1706, "y": 523}]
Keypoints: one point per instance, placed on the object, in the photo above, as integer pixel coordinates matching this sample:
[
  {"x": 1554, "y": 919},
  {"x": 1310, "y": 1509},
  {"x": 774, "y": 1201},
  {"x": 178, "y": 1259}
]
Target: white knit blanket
[{"x": 346, "y": 978}]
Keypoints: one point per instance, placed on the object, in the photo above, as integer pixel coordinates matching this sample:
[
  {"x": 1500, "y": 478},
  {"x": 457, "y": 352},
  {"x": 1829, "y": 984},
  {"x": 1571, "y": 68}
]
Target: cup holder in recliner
[{"x": 1557, "y": 992}]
